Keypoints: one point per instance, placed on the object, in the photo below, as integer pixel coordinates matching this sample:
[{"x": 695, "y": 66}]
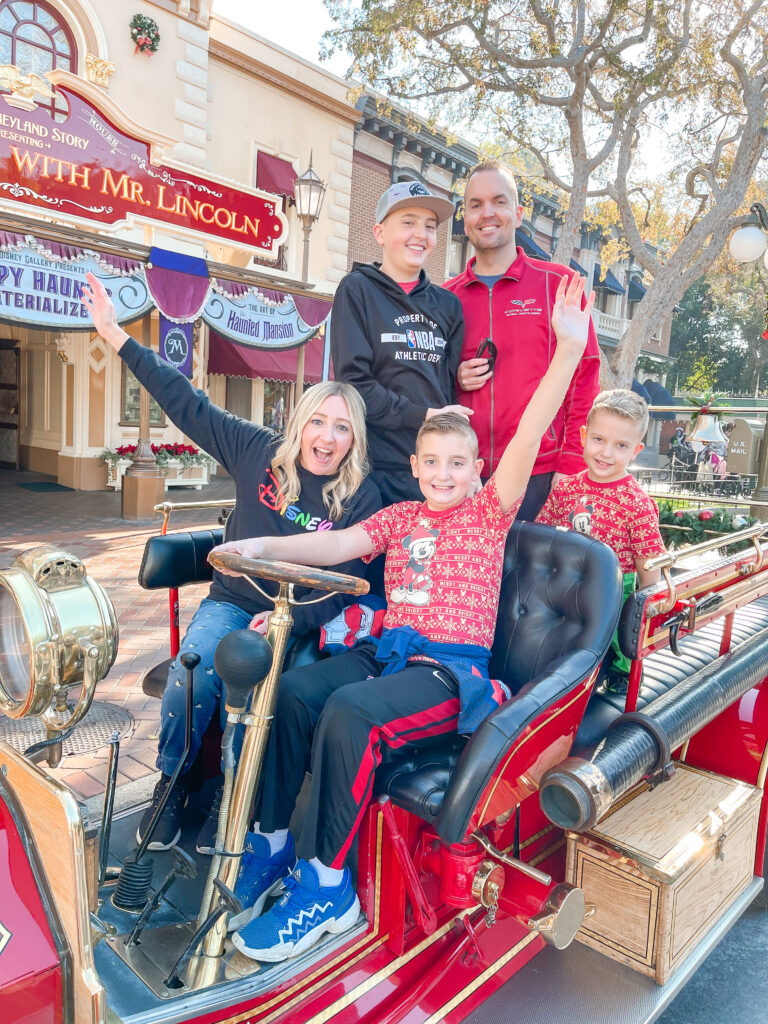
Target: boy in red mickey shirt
[
  {"x": 604, "y": 500},
  {"x": 426, "y": 676}
]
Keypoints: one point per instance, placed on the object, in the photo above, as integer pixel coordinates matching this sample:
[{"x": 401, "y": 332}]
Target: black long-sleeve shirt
[
  {"x": 400, "y": 350},
  {"x": 246, "y": 451}
]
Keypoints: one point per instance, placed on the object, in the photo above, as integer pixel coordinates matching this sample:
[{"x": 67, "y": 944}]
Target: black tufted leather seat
[
  {"x": 560, "y": 601},
  {"x": 663, "y": 670}
]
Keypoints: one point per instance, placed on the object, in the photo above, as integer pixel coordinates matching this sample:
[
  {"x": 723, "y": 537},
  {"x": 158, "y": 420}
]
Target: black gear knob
[{"x": 242, "y": 659}]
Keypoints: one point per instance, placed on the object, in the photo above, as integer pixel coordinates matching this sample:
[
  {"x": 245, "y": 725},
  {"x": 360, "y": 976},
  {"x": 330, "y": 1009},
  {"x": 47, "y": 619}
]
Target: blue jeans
[{"x": 212, "y": 621}]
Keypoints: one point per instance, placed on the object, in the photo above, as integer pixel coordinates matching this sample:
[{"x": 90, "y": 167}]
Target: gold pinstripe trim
[
  {"x": 532, "y": 839},
  {"x": 519, "y": 746},
  {"x": 481, "y": 980},
  {"x": 384, "y": 973},
  {"x": 547, "y": 853},
  {"x": 760, "y": 781}
]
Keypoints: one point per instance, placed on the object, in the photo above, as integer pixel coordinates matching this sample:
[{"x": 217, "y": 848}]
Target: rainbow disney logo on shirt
[{"x": 272, "y": 496}]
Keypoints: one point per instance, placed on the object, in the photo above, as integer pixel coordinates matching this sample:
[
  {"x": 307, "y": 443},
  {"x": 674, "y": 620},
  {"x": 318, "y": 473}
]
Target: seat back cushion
[
  {"x": 553, "y": 600},
  {"x": 177, "y": 559}
]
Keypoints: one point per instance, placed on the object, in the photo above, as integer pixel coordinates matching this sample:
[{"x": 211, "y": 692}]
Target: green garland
[{"x": 695, "y": 530}]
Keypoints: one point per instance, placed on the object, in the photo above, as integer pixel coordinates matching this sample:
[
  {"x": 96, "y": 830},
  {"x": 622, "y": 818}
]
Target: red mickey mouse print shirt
[
  {"x": 442, "y": 573},
  {"x": 619, "y": 513}
]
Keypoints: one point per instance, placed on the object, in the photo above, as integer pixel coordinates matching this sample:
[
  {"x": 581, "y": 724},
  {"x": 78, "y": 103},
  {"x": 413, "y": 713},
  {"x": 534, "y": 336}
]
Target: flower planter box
[{"x": 195, "y": 476}]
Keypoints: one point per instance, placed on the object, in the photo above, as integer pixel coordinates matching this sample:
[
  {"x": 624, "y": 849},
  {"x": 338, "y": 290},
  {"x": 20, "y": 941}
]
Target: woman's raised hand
[{"x": 102, "y": 310}]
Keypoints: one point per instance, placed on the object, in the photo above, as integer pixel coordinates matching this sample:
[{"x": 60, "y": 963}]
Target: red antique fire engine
[{"x": 634, "y": 822}]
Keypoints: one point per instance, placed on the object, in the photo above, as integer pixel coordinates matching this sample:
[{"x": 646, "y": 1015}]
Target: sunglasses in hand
[{"x": 487, "y": 350}]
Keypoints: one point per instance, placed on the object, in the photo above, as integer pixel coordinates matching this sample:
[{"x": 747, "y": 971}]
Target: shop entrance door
[{"x": 9, "y": 404}]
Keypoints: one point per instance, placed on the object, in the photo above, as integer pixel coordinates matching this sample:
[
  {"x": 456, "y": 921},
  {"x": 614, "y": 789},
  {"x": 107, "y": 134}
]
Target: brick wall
[{"x": 369, "y": 179}]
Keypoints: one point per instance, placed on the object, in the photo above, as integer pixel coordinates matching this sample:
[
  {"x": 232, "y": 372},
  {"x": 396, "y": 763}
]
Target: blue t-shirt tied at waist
[{"x": 479, "y": 695}]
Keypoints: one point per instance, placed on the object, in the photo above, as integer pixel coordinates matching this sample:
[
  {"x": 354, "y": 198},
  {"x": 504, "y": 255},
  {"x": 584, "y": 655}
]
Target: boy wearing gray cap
[{"x": 397, "y": 337}]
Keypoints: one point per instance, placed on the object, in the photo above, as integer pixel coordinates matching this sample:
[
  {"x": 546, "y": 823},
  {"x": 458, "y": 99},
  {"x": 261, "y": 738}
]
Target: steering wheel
[{"x": 288, "y": 572}]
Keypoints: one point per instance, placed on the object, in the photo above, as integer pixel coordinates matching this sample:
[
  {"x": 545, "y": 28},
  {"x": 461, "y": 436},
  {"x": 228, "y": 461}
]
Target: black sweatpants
[{"x": 331, "y": 719}]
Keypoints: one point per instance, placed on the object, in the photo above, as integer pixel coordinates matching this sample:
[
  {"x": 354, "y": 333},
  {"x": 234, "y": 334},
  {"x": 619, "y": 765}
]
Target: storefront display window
[
  {"x": 129, "y": 412},
  {"x": 35, "y": 40},
  {"x": 277, "y": 403}
]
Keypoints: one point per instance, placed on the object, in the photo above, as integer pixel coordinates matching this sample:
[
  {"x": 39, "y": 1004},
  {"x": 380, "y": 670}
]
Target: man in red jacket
[{"x": 507, "y": 301}]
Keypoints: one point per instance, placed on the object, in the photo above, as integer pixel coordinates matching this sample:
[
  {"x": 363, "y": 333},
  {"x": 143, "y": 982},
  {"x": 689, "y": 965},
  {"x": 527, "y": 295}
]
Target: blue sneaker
[
  {"x": 261, "y": 875},
  {"x": 300, "y": 918}
]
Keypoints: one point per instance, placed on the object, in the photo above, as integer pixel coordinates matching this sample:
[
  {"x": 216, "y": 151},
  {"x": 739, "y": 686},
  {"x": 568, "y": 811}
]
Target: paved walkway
[{"x": 88, "y": 525}]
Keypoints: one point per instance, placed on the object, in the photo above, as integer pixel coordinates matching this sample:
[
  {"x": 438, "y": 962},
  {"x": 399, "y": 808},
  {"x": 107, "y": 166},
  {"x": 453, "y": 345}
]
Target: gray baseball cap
[{"x": 412, "y": 193}]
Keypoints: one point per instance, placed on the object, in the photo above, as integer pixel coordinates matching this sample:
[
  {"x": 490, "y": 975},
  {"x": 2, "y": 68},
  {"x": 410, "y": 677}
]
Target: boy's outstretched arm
[
  {"x": 328, "y": 547},
  {"x": 571, "y": 326}
]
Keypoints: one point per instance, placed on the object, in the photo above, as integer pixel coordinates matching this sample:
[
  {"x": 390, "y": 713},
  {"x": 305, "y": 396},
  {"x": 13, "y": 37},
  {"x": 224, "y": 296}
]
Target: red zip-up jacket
[{"x": 517, "y": 316}]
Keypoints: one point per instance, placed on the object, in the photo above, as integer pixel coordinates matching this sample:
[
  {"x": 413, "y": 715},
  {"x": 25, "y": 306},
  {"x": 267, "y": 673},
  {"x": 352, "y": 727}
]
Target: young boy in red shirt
[
  {"x": 442, "y": 579},
  {"x": 604, "y": 500}
]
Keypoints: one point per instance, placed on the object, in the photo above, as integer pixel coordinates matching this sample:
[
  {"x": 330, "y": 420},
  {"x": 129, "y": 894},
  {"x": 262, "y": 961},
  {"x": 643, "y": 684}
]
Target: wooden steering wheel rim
[{"x": 288, "y": 572}]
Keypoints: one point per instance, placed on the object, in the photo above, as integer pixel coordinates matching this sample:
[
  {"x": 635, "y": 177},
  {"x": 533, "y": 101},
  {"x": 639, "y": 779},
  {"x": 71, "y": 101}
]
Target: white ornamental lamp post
[
  {"x": 747, "y": 245},
  {"x": 309, "y": 191}
]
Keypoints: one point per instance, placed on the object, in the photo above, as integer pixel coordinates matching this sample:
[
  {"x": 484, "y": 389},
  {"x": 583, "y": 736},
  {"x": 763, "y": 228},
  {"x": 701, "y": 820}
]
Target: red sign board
[{"x": 87, "y": 168}]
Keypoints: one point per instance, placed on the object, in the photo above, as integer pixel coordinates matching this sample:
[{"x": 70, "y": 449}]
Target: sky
[{"x": 296, "y": 25}]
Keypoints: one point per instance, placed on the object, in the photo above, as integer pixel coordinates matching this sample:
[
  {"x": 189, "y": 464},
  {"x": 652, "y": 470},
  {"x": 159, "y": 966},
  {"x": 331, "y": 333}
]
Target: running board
[{"x": 578, "y": 985}]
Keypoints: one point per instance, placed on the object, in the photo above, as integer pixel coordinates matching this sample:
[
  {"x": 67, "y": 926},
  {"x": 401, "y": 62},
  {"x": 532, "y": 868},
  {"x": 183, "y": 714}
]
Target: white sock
[
  {"x": 277, "y": 840},
  {"x": 326, "y": 875}
]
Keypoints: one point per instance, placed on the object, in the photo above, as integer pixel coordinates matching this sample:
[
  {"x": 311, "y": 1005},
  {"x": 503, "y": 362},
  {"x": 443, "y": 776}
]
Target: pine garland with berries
[{"x": 682, "y": 527}]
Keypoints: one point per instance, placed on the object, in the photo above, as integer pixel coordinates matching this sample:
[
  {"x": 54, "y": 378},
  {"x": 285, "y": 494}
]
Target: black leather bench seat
[{"x": 664, "y": 669}]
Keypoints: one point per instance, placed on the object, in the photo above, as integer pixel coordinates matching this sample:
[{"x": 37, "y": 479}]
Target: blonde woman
[{"x": 311, "y": 479}]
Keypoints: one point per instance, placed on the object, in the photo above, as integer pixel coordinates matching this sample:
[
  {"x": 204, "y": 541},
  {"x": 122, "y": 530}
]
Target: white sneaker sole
[
  {"x": 248, "y": 914},
  {"x": 287, "y": 950},
  {"x": 154, "y": 845}
]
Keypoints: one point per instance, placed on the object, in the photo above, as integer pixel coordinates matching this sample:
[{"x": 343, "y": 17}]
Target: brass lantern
[{"x": 57, "y": 630}]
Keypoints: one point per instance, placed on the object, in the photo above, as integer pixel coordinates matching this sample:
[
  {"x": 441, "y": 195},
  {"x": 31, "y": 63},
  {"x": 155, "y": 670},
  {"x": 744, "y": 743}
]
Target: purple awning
[
  {"x": 312, "y": 311},
  {"x": 233, "y": 360},
  {"x": 123, "y": 266},
  {"x": 179, "y": 284},
  {"x": 275, "y": 175}
]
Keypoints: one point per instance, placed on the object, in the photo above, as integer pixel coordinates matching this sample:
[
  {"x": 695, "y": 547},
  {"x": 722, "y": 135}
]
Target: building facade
[{"x": 214, "y": 107}]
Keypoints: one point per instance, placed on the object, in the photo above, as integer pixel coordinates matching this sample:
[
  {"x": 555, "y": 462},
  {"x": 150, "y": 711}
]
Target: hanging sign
[
  {"x": 87, "y": 168},
  {"x": 251, "y": 321},
  {"x": 176, "y": 344},
  {"x": 46, "y": 293}
]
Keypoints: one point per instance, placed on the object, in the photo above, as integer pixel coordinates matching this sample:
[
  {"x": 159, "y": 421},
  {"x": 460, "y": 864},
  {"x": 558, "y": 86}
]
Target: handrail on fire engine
[
  {"x": 754, "y": 533},
  {"x": 166, "y": 508}
]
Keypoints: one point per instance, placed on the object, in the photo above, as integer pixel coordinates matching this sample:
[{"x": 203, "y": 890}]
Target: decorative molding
[
  {"x": 97, "y": 355},
  {"x": 99, "y": 71},
  {"x": 157, "y": 143},
  {"x": 23, "y": 88},
  {"x": 285, "y": 83}
]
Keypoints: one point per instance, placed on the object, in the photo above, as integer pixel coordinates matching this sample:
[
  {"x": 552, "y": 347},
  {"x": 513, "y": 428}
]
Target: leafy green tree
[{"x": 585, "y": 86}]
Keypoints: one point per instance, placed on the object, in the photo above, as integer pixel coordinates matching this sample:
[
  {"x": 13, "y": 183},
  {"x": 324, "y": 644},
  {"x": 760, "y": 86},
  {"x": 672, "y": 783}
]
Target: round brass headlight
[{"x": 53, "y": 620}]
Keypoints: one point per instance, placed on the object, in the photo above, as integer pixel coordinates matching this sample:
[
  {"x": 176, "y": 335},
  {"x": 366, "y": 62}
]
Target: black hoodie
[{"x": 399, "y": 350}]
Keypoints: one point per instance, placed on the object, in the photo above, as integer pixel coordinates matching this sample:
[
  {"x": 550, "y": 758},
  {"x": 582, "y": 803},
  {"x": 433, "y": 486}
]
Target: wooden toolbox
[{"x": 663, "y": 865}]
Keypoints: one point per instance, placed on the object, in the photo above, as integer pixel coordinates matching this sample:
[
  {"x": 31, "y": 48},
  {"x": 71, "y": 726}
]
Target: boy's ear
[
  {"x": 478, "y": 467},
  {"x": 583, "y": 434},
  {"x": 378, "y": 234},
  {"x": 638, "y": 448},
  {"x": 415, "y": 466}
]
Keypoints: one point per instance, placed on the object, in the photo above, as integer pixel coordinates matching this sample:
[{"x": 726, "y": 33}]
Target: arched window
[{"x": 34, "y": 38}]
